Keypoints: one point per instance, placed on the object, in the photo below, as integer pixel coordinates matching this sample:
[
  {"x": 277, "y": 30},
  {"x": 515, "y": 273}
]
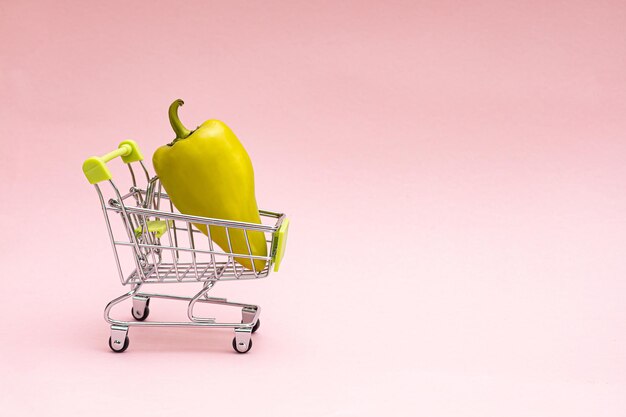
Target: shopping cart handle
[{"x": 95, "y": 168}]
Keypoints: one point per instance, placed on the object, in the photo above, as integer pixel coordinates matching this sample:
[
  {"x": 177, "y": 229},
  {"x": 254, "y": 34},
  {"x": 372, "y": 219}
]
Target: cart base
[{"x": 242, "y": 343}]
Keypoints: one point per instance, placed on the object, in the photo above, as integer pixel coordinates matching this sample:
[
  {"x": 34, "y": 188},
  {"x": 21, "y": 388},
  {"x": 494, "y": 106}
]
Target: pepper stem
[{"x": 181, "y": 131}]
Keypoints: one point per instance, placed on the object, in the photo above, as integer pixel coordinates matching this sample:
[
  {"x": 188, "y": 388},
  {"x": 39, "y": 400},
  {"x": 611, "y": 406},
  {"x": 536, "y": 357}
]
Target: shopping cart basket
[{"x": 154, "y": 244}]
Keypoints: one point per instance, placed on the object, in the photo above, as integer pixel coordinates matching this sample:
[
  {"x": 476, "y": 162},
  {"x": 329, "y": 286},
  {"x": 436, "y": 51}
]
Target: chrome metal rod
[
  {"x": 195, "y": 250},
  {"x": 195, "y": 219}
]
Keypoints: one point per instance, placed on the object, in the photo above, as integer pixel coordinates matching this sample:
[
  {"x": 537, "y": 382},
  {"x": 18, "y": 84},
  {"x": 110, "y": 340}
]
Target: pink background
[{"x": 454, "y": 174}]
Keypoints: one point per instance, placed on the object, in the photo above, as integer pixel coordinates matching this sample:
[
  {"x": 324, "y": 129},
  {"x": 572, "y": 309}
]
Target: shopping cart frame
[{"x": 146, "y": 223}]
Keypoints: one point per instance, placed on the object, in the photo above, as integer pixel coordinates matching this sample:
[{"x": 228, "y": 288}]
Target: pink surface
[{"x": 454, "y": 174}]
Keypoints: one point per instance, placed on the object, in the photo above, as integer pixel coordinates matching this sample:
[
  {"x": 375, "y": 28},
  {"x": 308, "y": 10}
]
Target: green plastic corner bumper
[
  {"x": 158, "y": 227},
  {"x": 280, "y": 243}
]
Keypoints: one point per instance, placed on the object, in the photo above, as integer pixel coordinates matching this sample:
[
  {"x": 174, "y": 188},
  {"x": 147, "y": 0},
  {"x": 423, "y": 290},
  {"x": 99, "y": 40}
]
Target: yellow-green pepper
[{"x": 207, "y": 172}]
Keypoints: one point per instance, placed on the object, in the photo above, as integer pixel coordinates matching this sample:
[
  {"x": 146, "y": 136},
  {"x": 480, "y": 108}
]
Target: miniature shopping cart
[{"x": 154, "y": 244}]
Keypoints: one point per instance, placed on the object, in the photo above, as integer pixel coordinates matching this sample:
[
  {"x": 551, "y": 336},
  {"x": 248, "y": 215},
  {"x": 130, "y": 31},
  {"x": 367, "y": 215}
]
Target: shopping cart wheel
[
  {"x": 119, "y": 349},
  {"x": 237, "y": 348},
  {"x": 140, "y": 309},
  {"x": 256, "y": 326},
  {"x": 140, "y": 317}
]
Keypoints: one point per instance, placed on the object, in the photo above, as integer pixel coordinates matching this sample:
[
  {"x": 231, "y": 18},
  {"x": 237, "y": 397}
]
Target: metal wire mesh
[{"x": 178, "y": 251}]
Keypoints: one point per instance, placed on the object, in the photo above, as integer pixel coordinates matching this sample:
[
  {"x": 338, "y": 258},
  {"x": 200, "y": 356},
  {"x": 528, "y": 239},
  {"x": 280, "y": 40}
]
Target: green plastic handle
[{"x": 95, "y": 168}]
